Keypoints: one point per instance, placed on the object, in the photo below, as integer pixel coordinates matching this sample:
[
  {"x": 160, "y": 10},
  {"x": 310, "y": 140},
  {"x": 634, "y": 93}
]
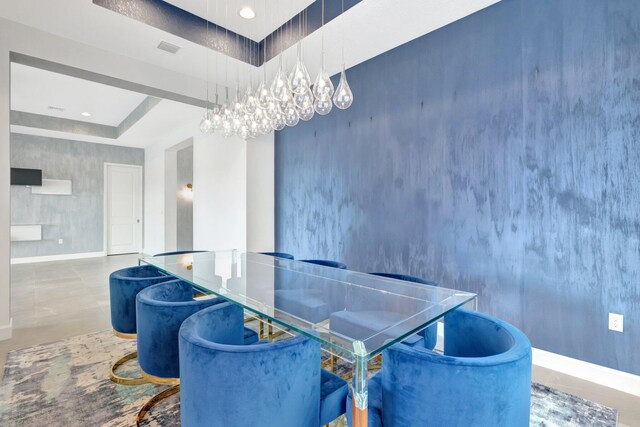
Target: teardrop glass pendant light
[
  {"x": 277, "y": 102},
  {"x": 278, "y": 122},
  {"x": 306, "y": 112},
  {"x": 273, "y": 109},
  {"x": 299, "y": 80},
  {"x": 249, "y": 102},
  {"x": 216, "y": 116},
  {"x": 323, "y": 105},
  {"x": 279, "y": 86},
  {"x": 343, "y": 98},
  {"x": 263, "y": 95},
  {"x": 291, "y": 117},
  {"x": 303, "y": 98},
  {"x": 206, "y": 124},
  {"x": 323, "y": 85},
  {"x": 287, "y": 98},
  {"x": 265, "y": 126},
  {"x": 238, "y": 111}
]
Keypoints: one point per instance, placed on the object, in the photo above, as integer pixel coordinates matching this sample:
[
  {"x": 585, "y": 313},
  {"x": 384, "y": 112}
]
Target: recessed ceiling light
[
  {"x": 247, "y": 13},
  {"x": 86, "y": 114}
]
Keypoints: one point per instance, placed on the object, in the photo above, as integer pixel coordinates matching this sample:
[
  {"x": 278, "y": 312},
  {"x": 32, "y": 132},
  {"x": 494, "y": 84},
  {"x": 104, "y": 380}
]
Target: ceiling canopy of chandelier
[{"x": 287, "y": 99}]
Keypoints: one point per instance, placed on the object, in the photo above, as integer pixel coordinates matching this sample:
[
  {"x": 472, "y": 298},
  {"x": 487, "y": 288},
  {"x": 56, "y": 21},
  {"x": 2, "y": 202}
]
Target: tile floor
[{"x": 56, "y": 300}]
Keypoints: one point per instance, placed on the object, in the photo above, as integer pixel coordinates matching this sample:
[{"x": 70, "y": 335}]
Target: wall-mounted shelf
[
  {"x": 26, "y": 233},
  {"x": 53, "y": 186}
]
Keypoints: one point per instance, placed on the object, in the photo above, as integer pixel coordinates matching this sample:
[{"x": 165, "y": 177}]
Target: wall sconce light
[
  {"x": 187, "y": 261},
  {"x": 187, "y": 192}
]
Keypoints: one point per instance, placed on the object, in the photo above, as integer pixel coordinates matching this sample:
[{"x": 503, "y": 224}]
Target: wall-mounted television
[{"x": 26, "y": 176}]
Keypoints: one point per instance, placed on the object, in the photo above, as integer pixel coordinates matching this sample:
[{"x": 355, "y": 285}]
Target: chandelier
[{"x": 283, "y": 101}]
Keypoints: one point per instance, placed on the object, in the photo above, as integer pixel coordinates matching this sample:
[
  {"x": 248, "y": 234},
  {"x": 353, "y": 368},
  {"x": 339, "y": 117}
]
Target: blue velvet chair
[
  {"x": 177, "y": 253},
  {"x": 326, "y": 263},
  {"x": 262, "y": 321},
  {"x": 278, "y": 255},
  {"x": 357, "y": 322},
  {"x": 482, "y": 379},
  {"x": 124, "y": 285},
  {"x": 161, "y": 309},
  {"x": 300, "y": 296},
  {"x": 227, "y": 383},
  {"x": 174, "y": 253}
]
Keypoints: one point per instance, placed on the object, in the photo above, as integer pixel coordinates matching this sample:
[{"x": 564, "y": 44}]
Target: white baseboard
[
  {"x": 62, "y": 257},
  {"x": 607, "y": 377},
  {"x": 6, "y": 331},
  {"x": 601, "y": 375}
]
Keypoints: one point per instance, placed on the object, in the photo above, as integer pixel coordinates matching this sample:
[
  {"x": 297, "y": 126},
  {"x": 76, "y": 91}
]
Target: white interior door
[{"x": 123, "y": 208}]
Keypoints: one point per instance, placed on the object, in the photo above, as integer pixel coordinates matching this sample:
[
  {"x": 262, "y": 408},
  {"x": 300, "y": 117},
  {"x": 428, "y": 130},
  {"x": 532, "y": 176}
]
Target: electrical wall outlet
[
  {"x": 616, "y": 322},
  {"x": 60, "y": 241}
]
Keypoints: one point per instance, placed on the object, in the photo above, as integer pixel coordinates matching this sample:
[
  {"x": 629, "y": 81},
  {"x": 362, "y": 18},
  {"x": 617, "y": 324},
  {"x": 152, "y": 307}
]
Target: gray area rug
[{"x": 66, "y": 383}]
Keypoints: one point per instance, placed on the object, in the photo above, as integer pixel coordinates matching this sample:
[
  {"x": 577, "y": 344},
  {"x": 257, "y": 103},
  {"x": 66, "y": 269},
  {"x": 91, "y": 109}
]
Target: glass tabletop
[{"x": 353, "y": 315}]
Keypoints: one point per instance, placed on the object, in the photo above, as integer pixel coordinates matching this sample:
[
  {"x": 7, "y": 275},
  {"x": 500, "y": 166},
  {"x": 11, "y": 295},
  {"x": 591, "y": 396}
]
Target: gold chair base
[
  {"x": 331, "y": 363},
  {"x": 260, "y": 319},
  {"x": 200, "y": 295},
  {"x": 160, "y": 380},
  {"x": 125, "y": 336},
  {"x": 270, "y": 334},
  {"x": 372, "y": 365},
  {"x": 154, "y": 401},
  {"x": 125, "y": 380}
]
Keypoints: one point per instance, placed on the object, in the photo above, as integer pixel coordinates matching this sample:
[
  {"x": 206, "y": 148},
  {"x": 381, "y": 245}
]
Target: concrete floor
[{"x": 56, "y": 300}]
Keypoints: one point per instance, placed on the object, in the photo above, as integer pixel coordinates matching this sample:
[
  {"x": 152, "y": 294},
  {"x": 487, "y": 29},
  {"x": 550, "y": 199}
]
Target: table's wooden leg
[{"x": 360, "y": 416}]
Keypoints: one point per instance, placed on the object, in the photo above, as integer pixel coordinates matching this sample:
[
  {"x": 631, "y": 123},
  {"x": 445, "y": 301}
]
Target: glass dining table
[{"x": 306, "y": 299}]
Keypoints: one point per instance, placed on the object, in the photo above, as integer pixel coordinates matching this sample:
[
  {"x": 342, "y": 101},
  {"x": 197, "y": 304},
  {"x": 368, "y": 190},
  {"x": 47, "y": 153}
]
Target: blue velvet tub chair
[
  {"x": 124, "y": 285},
  {"x": 326, "y": 263},
  {"x": 177, "y": 253},
  {"x": 483, "y": 378},
  {"x": 300, "y": 296},
  {"x": 367, "y": 316},
  {"x": 227, "y": 383},
  {"x": 161, "y": 309}
]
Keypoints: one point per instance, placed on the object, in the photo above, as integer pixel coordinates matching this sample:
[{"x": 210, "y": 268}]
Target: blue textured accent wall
[{"x": 501, "y": 155}]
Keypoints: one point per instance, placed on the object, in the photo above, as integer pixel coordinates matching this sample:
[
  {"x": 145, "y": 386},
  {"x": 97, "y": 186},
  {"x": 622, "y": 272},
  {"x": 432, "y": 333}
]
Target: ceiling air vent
[
  {"x": 51, "y": 107},
  {"x": 168, "y": 47}
]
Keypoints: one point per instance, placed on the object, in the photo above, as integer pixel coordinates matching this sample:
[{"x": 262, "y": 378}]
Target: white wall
[
  {"x": 5, "y": 212},
  {"x": 233, "y": 191},
  {"x": 160, "y": 230},
  {"x": 260, "y": 194},
  {"x": 26, "y": 40},
  {"x": 170, "y": 202},
  {"x": 219, "y": 192}
]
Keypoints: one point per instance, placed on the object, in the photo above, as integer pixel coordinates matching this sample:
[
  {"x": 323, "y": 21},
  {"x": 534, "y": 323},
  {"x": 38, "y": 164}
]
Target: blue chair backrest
[
  {"x": 177, "y": 253},
  {"x": 278, "y": 254},
  {"x": 225, "y": 383},
  {"x": 326, "y": 263},
  {"x": 161, "y": 309},
  {"x": 406, "y": 278},
  {"x": 483, "y": 379},
  {"x": 124, "y": 285}
]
